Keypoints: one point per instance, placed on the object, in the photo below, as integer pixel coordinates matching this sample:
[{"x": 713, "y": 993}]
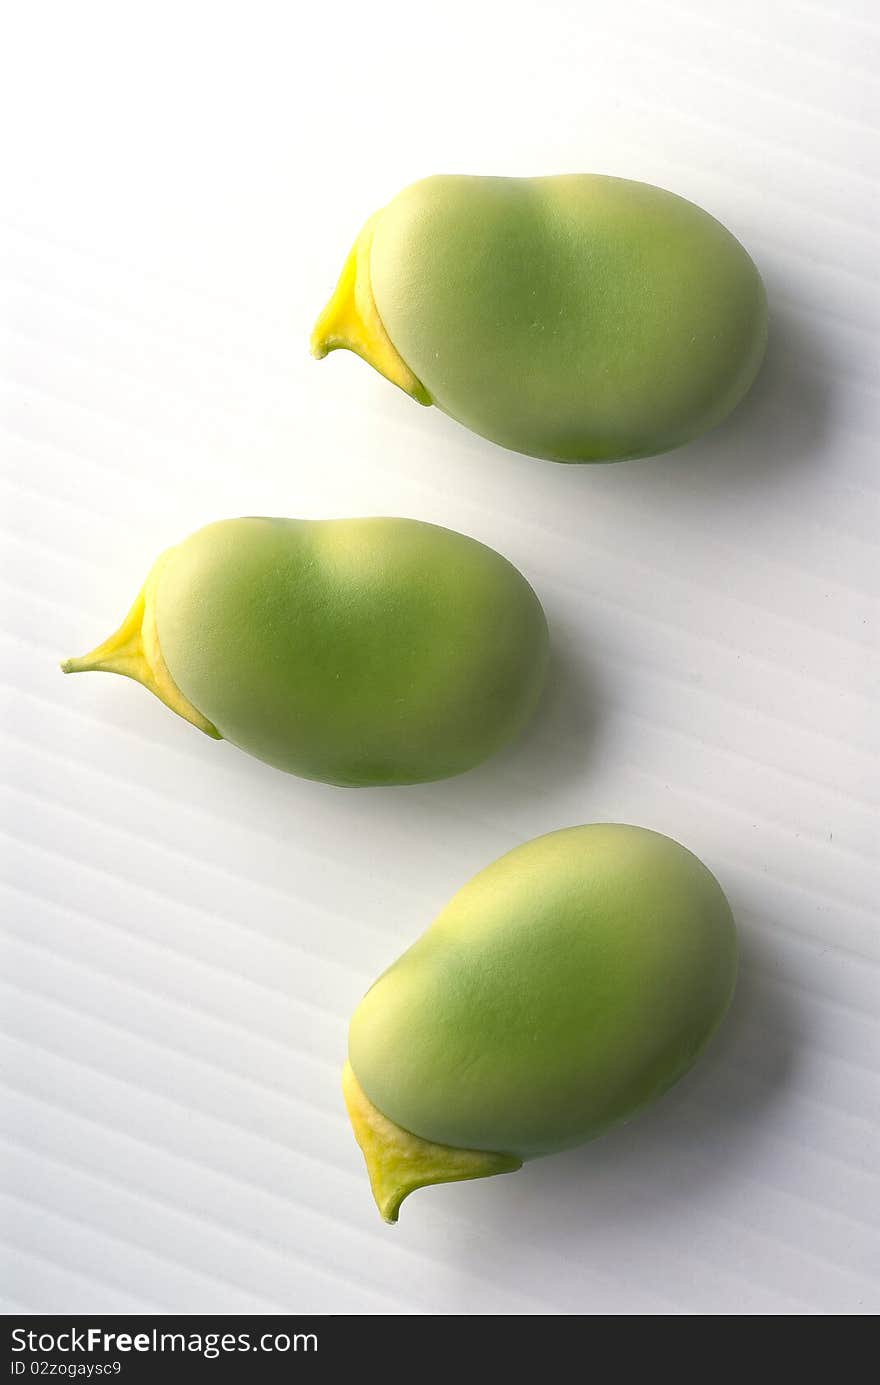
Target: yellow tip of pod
[
  {"x": 398, "y": 1163},
  {"x": 351, "y": 321},
  {"x": 134, "y": 651}
]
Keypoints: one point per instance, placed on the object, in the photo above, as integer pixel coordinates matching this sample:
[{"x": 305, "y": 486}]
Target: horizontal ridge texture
[{"x": 184, "y": 932}]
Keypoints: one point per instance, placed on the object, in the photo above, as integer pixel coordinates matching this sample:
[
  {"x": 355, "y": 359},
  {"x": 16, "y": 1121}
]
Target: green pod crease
[
  {"x": 564, "y": 988},
  {"x": 357, "y": 652},
  {"x": 578, "y": 318}
]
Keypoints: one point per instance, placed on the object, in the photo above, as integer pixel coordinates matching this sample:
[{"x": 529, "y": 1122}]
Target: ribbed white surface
[{"x": 186, "y": 931}]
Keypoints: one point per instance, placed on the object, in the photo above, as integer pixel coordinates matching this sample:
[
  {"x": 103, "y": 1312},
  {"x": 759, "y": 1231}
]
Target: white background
[{"x": 187, "y": 930}]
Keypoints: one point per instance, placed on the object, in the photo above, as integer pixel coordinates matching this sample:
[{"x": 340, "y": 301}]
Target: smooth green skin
[
  {"x": 358, "y": 652},
  {"x": 577, "y": 318},
  {"x": 564, "y": 987}
]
